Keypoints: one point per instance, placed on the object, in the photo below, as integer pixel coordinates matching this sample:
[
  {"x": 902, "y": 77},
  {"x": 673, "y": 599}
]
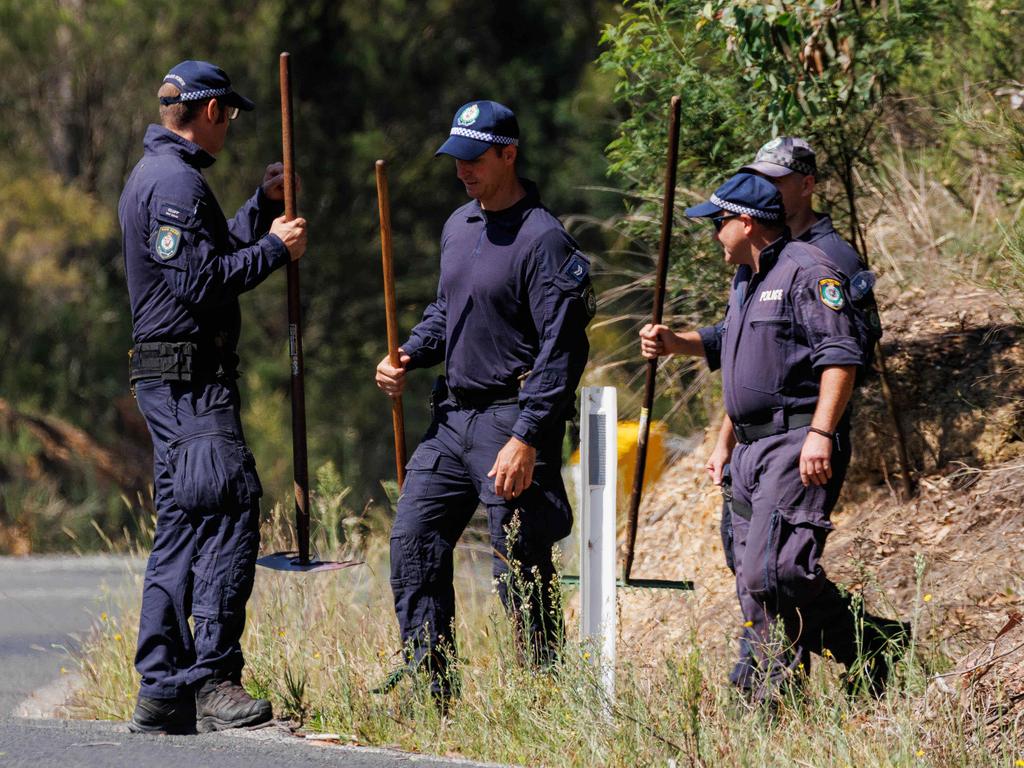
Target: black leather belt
[
  {"x": 478, "y": 399},
  {"x": 748, "y": 433}
]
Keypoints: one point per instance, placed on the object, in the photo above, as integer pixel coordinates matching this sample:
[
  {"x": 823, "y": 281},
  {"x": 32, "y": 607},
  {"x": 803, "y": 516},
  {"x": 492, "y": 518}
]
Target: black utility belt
[
  {"x": 749, "y": 433},
  {"x": 477, "y": 399},
  {"x": 179, "y": 361}
]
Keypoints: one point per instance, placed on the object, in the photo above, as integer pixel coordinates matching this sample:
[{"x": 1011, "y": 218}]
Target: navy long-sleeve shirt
[
  {"x": 514, "y": 297},
  {"x": 822, "y": 234},
  {"x": 783, "y": 325},
  {"x": 186, "y": 264}
]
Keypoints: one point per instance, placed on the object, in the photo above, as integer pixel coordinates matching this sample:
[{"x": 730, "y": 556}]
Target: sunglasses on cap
[{"x": 719, "y": 221}]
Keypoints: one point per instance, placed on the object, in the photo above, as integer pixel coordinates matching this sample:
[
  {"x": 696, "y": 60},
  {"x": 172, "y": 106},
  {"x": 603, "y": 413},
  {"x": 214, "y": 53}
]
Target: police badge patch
[
  {"x": 577, "y": 267},
  {"x": 167, "y": 241},
  {"x": 469, "y": 115},
  {"x": 591, "y": 299},
  {"x": 831, "y": 293}
]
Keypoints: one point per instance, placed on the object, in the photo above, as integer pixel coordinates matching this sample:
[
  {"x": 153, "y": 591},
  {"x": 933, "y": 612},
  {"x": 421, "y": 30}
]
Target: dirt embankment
[{"x": 957, "y": 367}]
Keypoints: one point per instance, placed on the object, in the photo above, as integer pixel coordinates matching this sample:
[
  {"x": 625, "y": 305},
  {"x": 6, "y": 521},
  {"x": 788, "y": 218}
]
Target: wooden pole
[
  {"x": 299, "y": 455},
  {"x": 661, "y": 276},
  {"x": 391, "y": 315}
]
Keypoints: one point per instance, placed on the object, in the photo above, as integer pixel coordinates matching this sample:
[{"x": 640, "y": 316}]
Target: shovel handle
[
  {"x": 298, "y": 392},
  {"x": 661, "y": 276},
  {"x": 391, "y": 314}
]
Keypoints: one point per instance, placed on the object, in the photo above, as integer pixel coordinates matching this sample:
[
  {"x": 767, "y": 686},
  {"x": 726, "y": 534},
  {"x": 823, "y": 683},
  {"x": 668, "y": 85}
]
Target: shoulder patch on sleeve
[
  {"x": 168, "y": 242},
  {"x": 577, "y": 267},
  {"x": 172, "y": 212},
  {"x": 175, "y": 213},
  {"x": 830, "y": 291}
]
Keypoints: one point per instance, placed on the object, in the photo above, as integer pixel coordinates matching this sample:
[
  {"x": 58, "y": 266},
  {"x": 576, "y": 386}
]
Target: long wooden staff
[
  {"x": 299, "y": 455},
  {"x": 391, "y": 314},
  {"x": 644, "y": 428}
]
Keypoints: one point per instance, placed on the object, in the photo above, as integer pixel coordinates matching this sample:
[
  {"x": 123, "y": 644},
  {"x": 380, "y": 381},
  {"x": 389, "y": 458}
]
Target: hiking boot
[
  {"x": 885, "y": 642},
  {"x": 223, "y": 703},
  {"x": 166, "y": 716}
]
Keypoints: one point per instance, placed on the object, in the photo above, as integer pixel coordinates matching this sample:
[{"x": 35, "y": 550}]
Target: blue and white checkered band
[
  {"x": 209, "y": 93},
  {"x": 736, "y": 208},
  {"x": 490, "y": 138}
]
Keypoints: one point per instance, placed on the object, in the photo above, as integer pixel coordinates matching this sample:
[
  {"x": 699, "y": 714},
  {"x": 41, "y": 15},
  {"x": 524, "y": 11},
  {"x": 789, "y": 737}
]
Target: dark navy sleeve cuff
[
  {"x": 274, "y": 245},
  {"x": 525, "y": 431},
  {"x": 712, "y": 341},
  {"x": 421, "y": 354},
  {"x": 837, "y": 350}
]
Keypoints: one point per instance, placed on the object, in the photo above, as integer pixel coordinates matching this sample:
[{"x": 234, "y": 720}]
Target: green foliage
[
  {"x": 997, "y": 125},
  {"x": 826, "y": 70},
  {"x": 77, "y": 86},
  {"x": 745, "y": 71}
]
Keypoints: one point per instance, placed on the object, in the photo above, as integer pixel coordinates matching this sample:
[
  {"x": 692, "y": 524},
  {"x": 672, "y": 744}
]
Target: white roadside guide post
[{"x": 598, "y": 473}]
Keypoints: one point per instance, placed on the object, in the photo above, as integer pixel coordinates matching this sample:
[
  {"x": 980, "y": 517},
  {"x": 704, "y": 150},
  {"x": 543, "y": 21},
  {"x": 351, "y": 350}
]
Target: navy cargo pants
[
  {"x": 741, "y": 675},
  {"x": 446, "y": 480},
  {"x": 779, "y": 529},
  {"x": 207, "y": 536}
]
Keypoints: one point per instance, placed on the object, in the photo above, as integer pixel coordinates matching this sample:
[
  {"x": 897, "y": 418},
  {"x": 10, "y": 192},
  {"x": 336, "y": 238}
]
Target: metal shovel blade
[{"x": 289, "y": 561}]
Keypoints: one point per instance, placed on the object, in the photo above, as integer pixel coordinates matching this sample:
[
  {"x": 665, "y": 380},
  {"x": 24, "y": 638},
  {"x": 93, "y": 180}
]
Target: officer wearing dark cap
[
  {"x": 186, "y": 265},
  {"x": 791, "y": 165},
  {"x": 789, "y": 352},
  {"x": 509, "y": 323}
]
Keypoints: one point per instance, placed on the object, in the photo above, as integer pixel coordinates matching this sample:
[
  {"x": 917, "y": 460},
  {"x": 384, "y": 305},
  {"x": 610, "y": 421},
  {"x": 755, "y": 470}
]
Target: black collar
[
  {"x": 513, "y": 215},
  {"x": 161, "y": 141},
  {"x": 770, "y": 253}
]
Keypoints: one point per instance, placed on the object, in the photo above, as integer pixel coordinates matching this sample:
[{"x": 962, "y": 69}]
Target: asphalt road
[
  {"x": 46, "y": 603},
  {"x": 77, "y": 744}
]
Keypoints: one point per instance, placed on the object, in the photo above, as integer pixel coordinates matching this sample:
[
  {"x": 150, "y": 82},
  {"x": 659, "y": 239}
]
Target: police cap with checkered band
[
  {"x": 743, "y": 193},
  {"x": 200, "y": 80},
  {"x": 478, "y": 125}
]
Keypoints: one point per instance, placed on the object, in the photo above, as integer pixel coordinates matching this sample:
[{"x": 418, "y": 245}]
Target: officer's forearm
[
  {"x": 688, "y": 343},
  {"x": 726, "y": 435},
  {"x": 835, "y": 389}
]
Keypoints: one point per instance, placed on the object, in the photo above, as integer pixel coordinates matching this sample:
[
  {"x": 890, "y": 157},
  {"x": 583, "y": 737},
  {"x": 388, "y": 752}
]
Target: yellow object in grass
[{"x": 627, "y": 454}]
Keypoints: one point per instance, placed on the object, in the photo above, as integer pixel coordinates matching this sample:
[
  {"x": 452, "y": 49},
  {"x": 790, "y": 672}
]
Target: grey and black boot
[
  {"x": 222, "y": 703},
  {"x": 166, "y": 716}
]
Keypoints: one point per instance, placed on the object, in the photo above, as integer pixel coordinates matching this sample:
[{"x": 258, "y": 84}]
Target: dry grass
[{"x": 317, "y": 644}]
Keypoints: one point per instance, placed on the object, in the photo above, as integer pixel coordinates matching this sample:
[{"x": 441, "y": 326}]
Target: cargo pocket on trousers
[
  {"x": 239, "y": 582},
  {"x": 801, "y": 541},
  {"x": 206, "y": 596},
  {"x": 252, "y": 478},
  {"x": 209, "y": 473},
  {"x": 420, "y": 472}
]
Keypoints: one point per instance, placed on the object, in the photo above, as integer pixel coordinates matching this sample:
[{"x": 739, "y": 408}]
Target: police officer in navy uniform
[
  {"x": 509, "y": 323},
  {"x": 791, "y": 165},
  {"x": 789, "y": 351},
  {"x": 186, "y": 265}
]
